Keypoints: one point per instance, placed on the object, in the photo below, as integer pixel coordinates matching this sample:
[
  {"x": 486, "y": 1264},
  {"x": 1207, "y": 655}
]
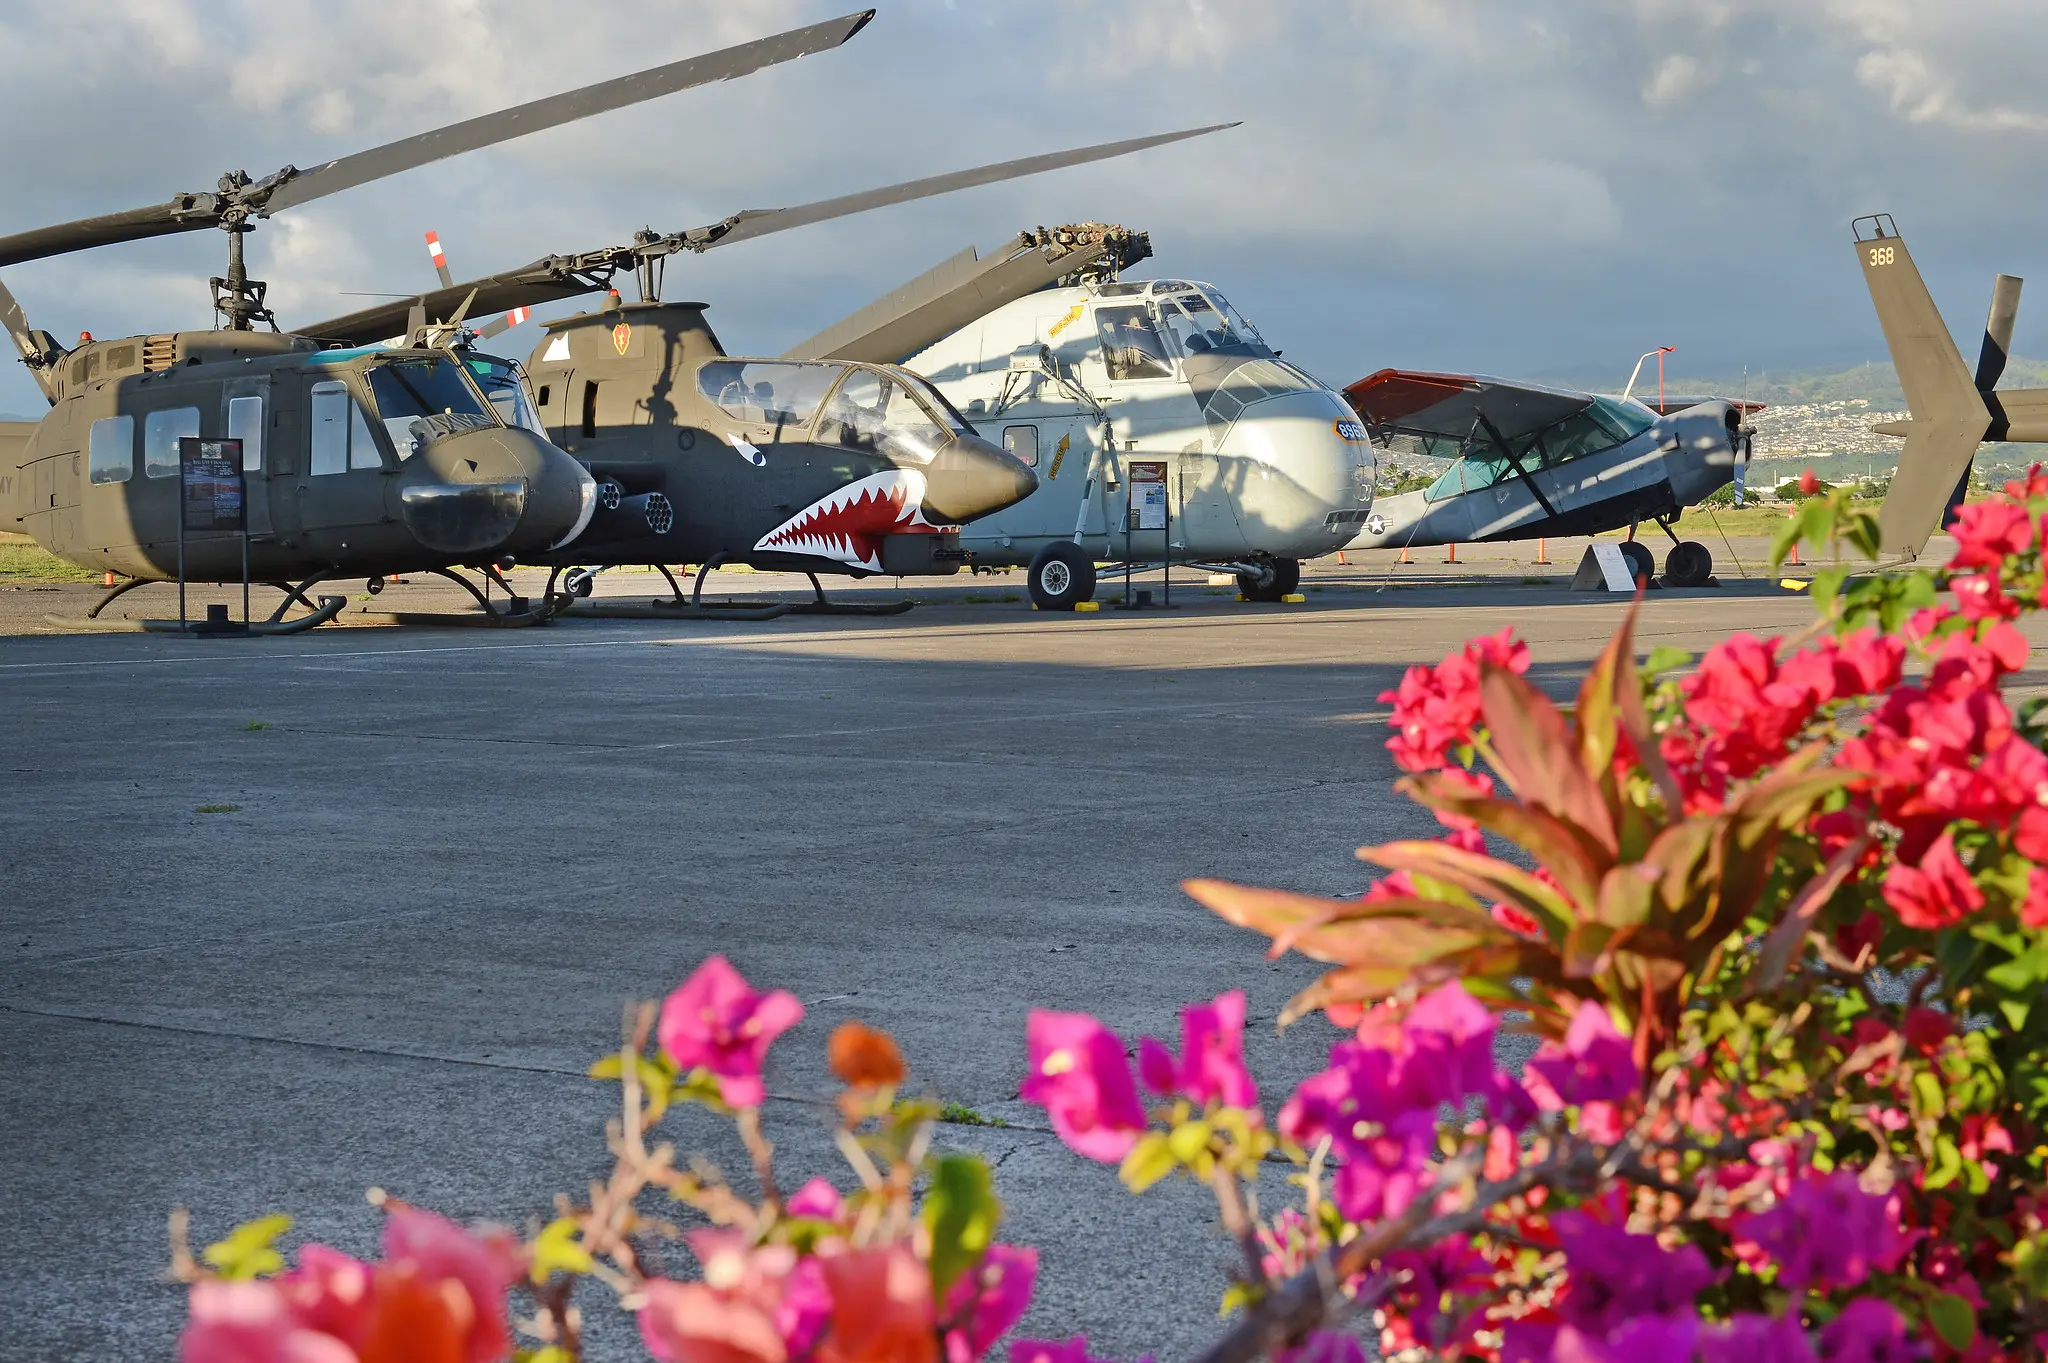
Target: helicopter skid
[
  {"x": 488, "y": 619},
  {"x": 330, "y": 606}
]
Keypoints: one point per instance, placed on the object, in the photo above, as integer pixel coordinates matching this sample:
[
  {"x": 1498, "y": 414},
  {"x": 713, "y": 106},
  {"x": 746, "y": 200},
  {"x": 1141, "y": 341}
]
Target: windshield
[
  {"x": 505, "y": 387},
  {"x": 768, "y": 392},
  {"x": 878, "y": 413},
  {"x": 1131, "y": 345},
  {"x": 1198, "y": 327},
  {"x": 934, "y": 401},
  {"x": 412, "y": 393}
]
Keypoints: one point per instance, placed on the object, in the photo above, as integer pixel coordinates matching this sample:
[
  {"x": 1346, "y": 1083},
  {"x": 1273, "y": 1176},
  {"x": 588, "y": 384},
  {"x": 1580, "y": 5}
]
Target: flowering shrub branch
[{"x": 1775, "y": 923}]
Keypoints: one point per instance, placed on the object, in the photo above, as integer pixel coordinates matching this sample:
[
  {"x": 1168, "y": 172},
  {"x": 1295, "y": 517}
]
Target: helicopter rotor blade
[
  {"x": 440, "y": 259},
  {"x": 237, "y": 197},
  {"x": 504, "y": 321},
  {"x": 759, "y": 222},
  {"x": 15, "y": 322},
  {"x": 557, "y": 277},
  {"x": 491, "y": 129}
]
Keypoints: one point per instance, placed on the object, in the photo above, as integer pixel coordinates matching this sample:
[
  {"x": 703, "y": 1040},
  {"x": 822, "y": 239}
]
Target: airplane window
[
  {"x": 330, "y": 428},
  {"x": 769, "y": 393},
  {"x": 1470, "y": 474},
  {"x": 161, "y": 432},
  {"x": 505, "y": 388},
  {"x": 908, "y": 430},
  {"x": 1022, "y": 441},
  {"x": 111, "y": 454},
  {"x": 1602, "y": 426},
  {"x": 1625, "y": 419},
  {"x": 1131, "y": 346},
  {"x": 245, "y": 423},
  {"x": 362, "y": 446}
]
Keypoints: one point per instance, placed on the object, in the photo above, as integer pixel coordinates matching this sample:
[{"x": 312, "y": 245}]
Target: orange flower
[
  {"x": 881, "y": 1307},
  {"x": 864, "y": 1057}
]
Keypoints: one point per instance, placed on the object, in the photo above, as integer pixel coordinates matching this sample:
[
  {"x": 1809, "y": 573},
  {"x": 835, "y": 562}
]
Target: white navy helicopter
[{"x": 1162, "y": 427}]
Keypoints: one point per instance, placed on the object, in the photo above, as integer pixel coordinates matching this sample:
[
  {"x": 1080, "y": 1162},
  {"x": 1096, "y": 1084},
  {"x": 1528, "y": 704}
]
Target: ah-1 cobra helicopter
[
  {"x": 807, "y": 465},
  {"x": 359, "y": 463}
]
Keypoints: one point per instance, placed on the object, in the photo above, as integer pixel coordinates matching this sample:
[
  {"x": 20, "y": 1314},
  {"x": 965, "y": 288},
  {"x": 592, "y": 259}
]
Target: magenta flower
[
  {"x": 1073, "y": 1350},
  {"x": 817, "y": 1200},
  {"x": 1616, "y": 1276},
  {"x": 715, "y": 1021},
  {"x": 989, "y": 1301},
  {"x": 1826, "y": 1232},
  {"x": 1869, "y": 1331},
  {"x": 1081, "y": 1077},
  {"x": 1646, "y": 1339},
  {"x": 1383, "y": 1172},
  {"x": 1757, "y": 1339},
  {"x": 1211, "y": 1065},
  {"x": 1595, "y": 1064}
]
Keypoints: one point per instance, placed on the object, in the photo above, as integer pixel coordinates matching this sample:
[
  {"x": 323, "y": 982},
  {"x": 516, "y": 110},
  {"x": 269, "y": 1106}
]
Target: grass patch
[
  {"x": 23, "y": 560},
  {"x": 962, "y": 1115},
  {"x": 253, "y": 725},
  {"x": 217, "y": 809}
]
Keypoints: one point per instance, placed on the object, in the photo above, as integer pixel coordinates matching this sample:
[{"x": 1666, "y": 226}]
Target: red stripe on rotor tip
[
  {"x": 518, "y": 315},
  {"x": 434, "y": 246}
]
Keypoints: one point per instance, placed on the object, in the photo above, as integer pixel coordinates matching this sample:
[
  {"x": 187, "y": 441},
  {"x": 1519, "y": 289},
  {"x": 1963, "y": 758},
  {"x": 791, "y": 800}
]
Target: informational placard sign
[
  {"x": 1604, "y": 568},
  {"x": 211, "y": 492},
  {"x": 1148, "y": 495}
]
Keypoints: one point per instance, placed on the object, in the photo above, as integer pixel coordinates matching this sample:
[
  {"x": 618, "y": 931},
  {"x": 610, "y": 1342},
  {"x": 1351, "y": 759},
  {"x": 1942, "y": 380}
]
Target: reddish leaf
[
  {"x": 1537, "y": 758},
  {"x": 1574, "y": 859},
  {"x": 1478, "y": 874},
  {"x": 1784, "y": 941}
]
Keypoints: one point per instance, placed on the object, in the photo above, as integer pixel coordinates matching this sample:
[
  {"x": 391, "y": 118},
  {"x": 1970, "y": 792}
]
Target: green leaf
[
  {"x": 1927, "y": 1094},
  {"x": 1150, "y": 1160},
  {"x": 249, "y": 1251},
  {"x": 1188, "y": 1140},
  {"x": 556, "y": 1247},
  {"x": 961, "y": 1213},
  {"x": 1664, "y": 658},
  {"x": 1954, "y": 1319}
]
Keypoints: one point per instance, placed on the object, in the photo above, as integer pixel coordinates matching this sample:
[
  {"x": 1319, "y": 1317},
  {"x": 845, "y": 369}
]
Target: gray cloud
[{"x": 1520, "y": 186}]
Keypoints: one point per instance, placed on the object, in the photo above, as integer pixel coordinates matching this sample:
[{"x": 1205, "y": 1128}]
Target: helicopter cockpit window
[
  {"x": 111, "y": 454},
  {"x": 871, "y": 412},
  {"x": 777, "y": 393},
  {"x": 1198, "y": 327},
  {"x": 419, "y": 399},
  {"x": 505, "y": 388},
  {"x": 161, "y": 432},
  {"x": 1131, "y": 346},
  {"x": 341, "y": 436}
]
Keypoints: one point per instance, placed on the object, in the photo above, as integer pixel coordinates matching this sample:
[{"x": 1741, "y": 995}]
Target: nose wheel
[
  {"x": 1062, "y": 577},
  {"x": 1273, "y": 582}
]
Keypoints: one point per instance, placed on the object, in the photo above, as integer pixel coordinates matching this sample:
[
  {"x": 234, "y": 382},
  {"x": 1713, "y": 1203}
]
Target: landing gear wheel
[
  {"x": 1642, "y": 564},
  {"x": 1275, "y": 583},
  {"x": 580, "y": 586},
  {"x": 1689, "y": 564},
  {"x": 1062, "y": 576}
]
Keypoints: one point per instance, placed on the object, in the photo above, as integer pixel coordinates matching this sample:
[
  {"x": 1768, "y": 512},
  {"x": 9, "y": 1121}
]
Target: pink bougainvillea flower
[
  {"x": 989, "y": 1301},
  {"x": 1869, "y": 1330},
  {"x": 1645, "y": 1339},
  {"x": 1616, "y": 1276},
  {"x": 1756, "y": 1339},
  {"x": 693, "y": 1323},
  {"x": 716, "y": 1021},
  {"x": 251, "y": 1322},
  {"x": 1938, "y": 893},
  {"x": 881, "y": 1307},
  {"x": 1989, "y": 532},
  {"x": 1211, "y": 1066},
  {"x": 330, "y": 1292},
  {"x": 1595, "y": 1064},
  {"x": 1081, "y": 1077},
  {"x": 1386, "y": 1170},
  {"x": 817, "y": 1199},
  {"x": 2034, "y": 909},
  {"x": 1437, "y": 708},
  {"x": 1826, "y": 1233},
  {"x": 1980, "y": 597},
  {"x": 485, "y": 1264}
]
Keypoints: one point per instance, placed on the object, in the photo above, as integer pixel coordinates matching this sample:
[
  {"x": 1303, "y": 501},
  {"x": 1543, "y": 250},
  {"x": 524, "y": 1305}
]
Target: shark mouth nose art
[{"x": 850, "y": 523}]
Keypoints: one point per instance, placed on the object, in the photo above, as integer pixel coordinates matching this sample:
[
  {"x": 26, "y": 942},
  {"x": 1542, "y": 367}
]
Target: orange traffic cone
[
  {"x": 1340, "y": 558},
  {"x": 1541, "y": 556},
  {"x": 1404, "y": 554},
  {"x": 1454, "y": 554},
  {"x": 1794, "y": 559},
  {"x": 110, "y": 578}
]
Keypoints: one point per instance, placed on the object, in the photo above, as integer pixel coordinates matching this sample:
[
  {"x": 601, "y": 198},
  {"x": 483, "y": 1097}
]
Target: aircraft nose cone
[
  {"x": 971, "y": 478},
  {"x": 502, "y": 490}
]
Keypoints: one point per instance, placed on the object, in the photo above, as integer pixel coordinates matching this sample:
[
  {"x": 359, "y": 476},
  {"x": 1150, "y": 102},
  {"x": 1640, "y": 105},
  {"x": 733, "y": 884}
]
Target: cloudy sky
[{"x": 1530, "y": 187}]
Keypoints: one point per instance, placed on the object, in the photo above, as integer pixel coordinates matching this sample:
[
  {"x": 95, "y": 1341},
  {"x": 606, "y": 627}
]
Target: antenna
[{"x": 1660, "y": 352}]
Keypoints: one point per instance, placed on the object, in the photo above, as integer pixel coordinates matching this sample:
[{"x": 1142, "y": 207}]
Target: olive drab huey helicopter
[
  {"x": 814, "y": 465},
  {"x": 359, "y": 463}
]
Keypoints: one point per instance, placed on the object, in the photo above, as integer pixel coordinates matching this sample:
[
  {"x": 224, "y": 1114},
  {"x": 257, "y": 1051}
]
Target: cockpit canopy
[
  {"x": 420, "y": 397},
  {"x": 504, "y": 383},
  {"x": 1146, "y": 327},
  {"x": 1603, "y": 424},
  {"x": 885, "y": 409}
]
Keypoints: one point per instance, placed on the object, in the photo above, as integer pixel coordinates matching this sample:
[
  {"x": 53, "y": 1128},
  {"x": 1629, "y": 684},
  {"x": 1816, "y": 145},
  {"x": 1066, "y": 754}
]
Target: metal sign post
[{"x": 212, "y": 497}]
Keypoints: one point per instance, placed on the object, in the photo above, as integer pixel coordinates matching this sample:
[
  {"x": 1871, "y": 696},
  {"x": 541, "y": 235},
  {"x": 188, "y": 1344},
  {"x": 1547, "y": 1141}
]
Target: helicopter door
[
  {"x": 344, "y": 482},
  {"x": 247, "y": 417}
]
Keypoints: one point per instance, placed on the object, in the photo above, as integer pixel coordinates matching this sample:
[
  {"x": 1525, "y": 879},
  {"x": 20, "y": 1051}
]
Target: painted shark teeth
[{"x": 847, "y": 525}]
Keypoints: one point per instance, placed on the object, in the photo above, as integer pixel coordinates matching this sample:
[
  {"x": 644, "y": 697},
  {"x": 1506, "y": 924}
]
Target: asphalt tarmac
[{"x": 441, "y": 860}]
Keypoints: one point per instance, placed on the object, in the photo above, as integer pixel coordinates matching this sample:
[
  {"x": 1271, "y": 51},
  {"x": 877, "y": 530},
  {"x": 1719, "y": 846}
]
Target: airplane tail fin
[{"x": 1949, "y": 416}]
